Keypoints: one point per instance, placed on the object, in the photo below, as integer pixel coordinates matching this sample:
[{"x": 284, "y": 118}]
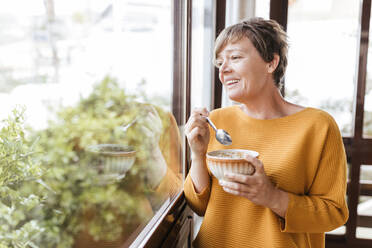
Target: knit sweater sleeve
[
  {"x": 323, "y": 208},
  {"x": 197, "y": 201}
]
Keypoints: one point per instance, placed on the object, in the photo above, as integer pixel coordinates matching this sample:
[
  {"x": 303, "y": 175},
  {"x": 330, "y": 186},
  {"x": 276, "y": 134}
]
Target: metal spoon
[
  {"x": 221, "y": 135},
  {"x": 125, "y": 128}
]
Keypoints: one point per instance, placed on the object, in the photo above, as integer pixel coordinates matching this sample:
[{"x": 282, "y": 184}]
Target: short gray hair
[{"x": 267, "y": 36}]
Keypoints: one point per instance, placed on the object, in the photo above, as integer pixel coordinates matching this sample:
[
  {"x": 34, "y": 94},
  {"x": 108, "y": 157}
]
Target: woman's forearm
[{"x": 199, "y": 173}]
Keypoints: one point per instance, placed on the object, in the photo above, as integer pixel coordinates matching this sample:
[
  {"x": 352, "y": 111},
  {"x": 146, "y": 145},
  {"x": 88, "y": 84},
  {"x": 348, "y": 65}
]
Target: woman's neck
[{"x": 269, "y": 105}]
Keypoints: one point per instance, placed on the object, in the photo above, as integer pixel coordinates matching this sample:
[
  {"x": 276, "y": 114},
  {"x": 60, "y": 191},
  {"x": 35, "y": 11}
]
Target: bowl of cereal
[
  {"x": 230, "y": 160},
  {"x": 111, "y": 161}
]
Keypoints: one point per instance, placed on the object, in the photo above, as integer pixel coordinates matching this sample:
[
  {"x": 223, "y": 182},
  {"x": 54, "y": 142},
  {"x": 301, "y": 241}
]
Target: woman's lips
[{"x": 231, "y": 82}]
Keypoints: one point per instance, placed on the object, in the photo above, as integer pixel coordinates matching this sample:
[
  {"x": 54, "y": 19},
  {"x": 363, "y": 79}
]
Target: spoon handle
[
  {"x": 125, "y": 128},
  {"x": 211, "y": 123}
]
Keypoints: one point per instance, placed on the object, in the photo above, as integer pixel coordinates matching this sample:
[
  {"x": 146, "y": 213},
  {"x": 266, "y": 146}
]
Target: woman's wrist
[
  {"x": 199, "y": 173},
  {"x": 198, "y": 157},
  {"x": 279, "y": 202}
]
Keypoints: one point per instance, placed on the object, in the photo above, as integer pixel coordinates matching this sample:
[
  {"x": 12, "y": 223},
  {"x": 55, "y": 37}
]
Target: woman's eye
[
  {"x": 218, "y": 63},
  {"x": 235, "y": 57}
]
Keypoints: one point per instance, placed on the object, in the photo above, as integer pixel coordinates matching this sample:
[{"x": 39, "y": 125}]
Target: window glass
[
  {"x": 89, "y": 149},
  {"x": 202, "y": 53},
  {"x": 366, "y": 173},
  {"x": 338, "y": 231},
  {"x": 323, "y": 38},
  {"x": 363, "y": 232},
  {"x": 263, "y": 8}
]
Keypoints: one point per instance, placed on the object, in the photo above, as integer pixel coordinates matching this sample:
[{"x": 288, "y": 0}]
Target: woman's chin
[{"x": 235, "y": 97}]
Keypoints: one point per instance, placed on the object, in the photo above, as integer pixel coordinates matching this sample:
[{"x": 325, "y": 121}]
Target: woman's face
[{"x": 242, "y": 70}]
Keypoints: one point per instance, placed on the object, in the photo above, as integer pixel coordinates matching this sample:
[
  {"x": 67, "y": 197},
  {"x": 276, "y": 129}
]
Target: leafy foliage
[
  {"x": 17, "y": 167},
  {"x": 71, "y": 199}
]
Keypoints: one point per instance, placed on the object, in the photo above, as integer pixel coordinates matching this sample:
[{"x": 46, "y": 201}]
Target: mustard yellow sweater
[{"x": 303, "y": 154}]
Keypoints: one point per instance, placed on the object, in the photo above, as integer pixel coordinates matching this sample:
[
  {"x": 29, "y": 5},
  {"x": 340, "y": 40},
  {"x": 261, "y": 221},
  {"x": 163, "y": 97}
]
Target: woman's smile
[{"x": 232, "y": 82}]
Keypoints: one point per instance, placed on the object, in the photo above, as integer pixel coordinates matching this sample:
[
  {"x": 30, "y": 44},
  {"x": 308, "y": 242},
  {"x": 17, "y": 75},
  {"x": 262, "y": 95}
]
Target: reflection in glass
[
  {"x": 95, "y": 152},
  {"x": 319, "y": 32}
]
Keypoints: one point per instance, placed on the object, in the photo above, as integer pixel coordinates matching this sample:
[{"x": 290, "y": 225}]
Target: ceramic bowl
[
  {"x": 230, "y": 160},
  {"x": 112, "y": 160}
]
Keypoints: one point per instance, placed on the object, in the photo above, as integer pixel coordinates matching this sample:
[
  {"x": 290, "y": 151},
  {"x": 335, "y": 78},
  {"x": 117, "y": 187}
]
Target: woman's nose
[{"x": 225, "y": 67}]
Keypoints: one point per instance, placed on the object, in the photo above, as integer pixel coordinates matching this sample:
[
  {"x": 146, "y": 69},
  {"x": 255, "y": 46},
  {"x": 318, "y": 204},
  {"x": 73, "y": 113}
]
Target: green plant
[
  {"x": 18, "y": 228},
  {"x": 76, "y": 202},
  {"x": 49, "y": 192}
]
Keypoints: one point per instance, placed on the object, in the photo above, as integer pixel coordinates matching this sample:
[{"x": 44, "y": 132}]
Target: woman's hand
[
  {"x": 150, "y": 125},
  {"x": 197, "y": 132},
  {"x": 257, "y": 188}
]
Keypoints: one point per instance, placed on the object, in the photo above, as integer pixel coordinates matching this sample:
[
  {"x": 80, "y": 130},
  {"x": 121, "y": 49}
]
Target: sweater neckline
[{"x": 246, "y": 117}]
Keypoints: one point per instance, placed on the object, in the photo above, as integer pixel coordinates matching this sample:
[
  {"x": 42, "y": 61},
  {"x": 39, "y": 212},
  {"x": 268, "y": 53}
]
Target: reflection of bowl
[
  {"x": 112, "y": 160},
  {"x": 230, "y": 160}
]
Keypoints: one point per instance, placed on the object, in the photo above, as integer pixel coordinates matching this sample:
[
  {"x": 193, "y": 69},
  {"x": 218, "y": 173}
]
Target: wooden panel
[
  {"x": 335, "y": 241},
  {"x": 188, "y": 81},
  {"x": 348, "y": 147},
  {"x": 178, "y": 62},
  {"x": 219, "y": 26},
  {"x": 365, "y": 151},
  {"x": 361, "y": 148},
  {"x": 188, "y": 57},
  {"x": 181, "y": 231},
  {"x": 160, "y": 232},
  {"x": 366, "y": 187},
  {"x": 362, "y": 70},
  {"x": 365, "y": 221},
  {"x": 279, "y": 12}
]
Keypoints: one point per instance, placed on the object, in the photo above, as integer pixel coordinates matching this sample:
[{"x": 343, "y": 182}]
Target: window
[
  {"x": 263, "y": 9},
  {"x": 100, "y": 154},
  {"x": 319, "y": 33},
  {"x": 202, "y": 52}
]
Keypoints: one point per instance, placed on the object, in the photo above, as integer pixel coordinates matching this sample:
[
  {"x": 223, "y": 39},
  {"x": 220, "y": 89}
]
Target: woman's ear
[{"x": 273, "y": 64}]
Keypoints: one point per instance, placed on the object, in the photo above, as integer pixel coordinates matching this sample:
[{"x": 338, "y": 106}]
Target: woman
[{"x": 298, "y": 189}]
